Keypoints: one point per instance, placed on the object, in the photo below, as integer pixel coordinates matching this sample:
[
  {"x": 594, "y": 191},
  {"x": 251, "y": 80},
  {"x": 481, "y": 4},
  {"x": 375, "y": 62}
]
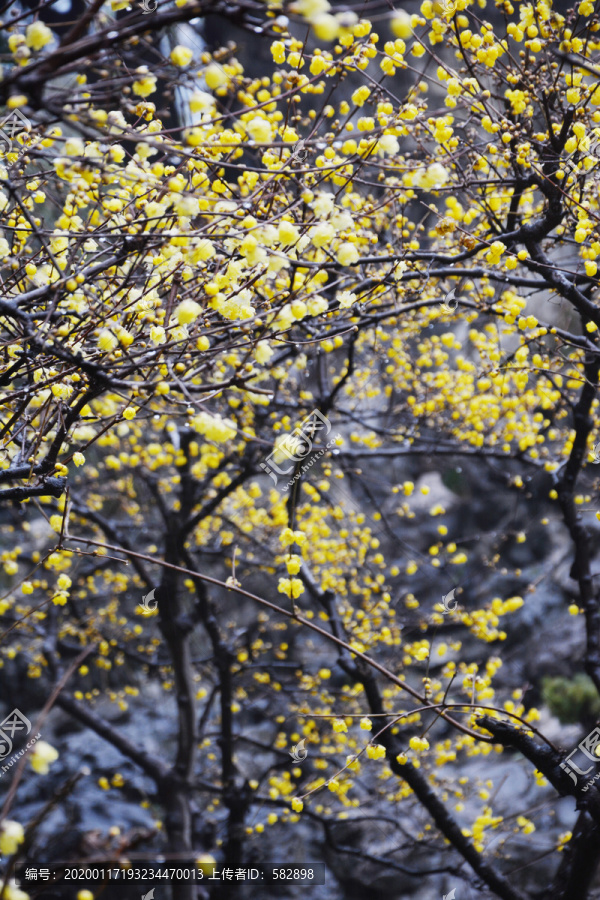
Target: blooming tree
[{"x": 215, "y": 334}]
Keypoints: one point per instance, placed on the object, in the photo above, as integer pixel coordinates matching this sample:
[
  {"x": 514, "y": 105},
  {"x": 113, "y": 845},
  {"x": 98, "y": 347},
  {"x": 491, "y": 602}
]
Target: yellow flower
[
  {"x": 11, "y": 835},
  {"x": 297, "y": 804},
  {"x": 288, "y": 233},
  {"x": 360, "y": 95},
  {"x": 62, "y": 391},
  {"x": 14, "y": 893},
  {"x": 129, "y": 412},
  {"x": 38, "y": 35},
  {"x": 43, "y": 754},
  {"x": 181, "y": 56},
  {"x": 322, "y": 234},
  {"x": 16, "y": 100},
  {"x": 563, "y": 839},
  {"x": 260, "y": 130},
  {"x": 186, "y": 206},
  {"x": 289, "y": 537},
  {"x": 527, "y": 825},
  {"x": 495, "y": 251},
  {"x": 310, "y": 9},
  {"x": 263, "y": 352},
  {"x": 418, "y": 743},
  {"x": 353, "y": 763},
  {"x": 146, "y": 85},
  {"x": 366, "y": 724},
  {"x": 317, "y": 305},
  {"x": 513, "y": 603},
  {"x": 339, "y": 725},
  {"x": 27, "y": 587},
  {"x": 187, "y": 311},
  {"x": 74, "y": 147},
  {"x": 291, "y": 587},
  {"x": 346, "y": 299},
  {"x": 347, "y": 254},
  {"x": 400, "y": 24},
  {"x": 107, "y": 340},
  {"x": 458, "y": 559},
  {"x": 214, "y": 427},
  {"x": 376, "y": 751},
  {"x": 434, "y": 177},
  {"x": 293, "y": 564},
  {"x": 215, "y": 76},
  {"x": 202, "y": 101},
  {"x": 206, "y": 863},
  {"x": 387, "y": 145},
  {"x": 326, "y": 27},
  {"x": 78, "y": 458},
  {"x": 299, "y": 309},
  {"x": 278, "y": 52}
]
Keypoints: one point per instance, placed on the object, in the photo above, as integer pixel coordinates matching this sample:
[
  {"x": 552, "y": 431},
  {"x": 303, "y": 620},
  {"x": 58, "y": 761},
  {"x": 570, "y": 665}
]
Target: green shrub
[{"x": 571, "y": 700}]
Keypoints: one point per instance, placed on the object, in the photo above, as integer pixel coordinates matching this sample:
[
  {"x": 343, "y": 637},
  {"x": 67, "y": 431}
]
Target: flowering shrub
[{"x": 177, "y": 301}]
